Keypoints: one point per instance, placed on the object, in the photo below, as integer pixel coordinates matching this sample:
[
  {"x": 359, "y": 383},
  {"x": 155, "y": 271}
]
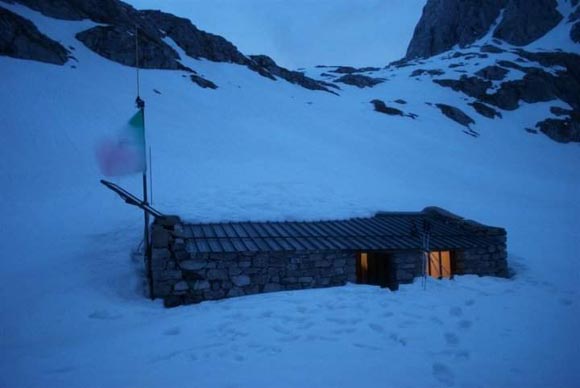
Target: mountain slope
[{"x": 74, "y": 313}]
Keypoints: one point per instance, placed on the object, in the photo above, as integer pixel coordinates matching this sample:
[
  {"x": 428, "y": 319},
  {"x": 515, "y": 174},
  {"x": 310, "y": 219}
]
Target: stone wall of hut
[{"x": 180, "y": 277}]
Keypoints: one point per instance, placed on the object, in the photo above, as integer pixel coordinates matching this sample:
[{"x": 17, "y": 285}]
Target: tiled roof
[{"x": 384, "y": 231}]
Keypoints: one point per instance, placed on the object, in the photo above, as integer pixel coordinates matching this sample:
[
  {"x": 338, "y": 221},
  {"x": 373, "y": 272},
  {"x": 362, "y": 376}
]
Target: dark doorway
[{"x": 376, "y": 268}]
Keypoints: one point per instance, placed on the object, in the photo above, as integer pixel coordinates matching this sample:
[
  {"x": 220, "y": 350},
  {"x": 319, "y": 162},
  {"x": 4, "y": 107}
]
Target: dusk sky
[{"x": 307, "y": 32}]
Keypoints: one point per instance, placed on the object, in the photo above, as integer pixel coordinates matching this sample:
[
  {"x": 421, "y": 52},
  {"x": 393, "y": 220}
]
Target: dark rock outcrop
[
  {"x": 446, "y": 23},
  {"x": 359, "y": 80},
  {"x": 490, "y": 48},
  {"x": 116, "y": 40},
  {"x": 202, "y": 82},
  {"x": 524, "y": 21},
  {"x": 117, "y": 43},
  {"x": 381, "y": 107},
  {"x": 294, "y": 77},
  {"x": 21, "y": 39},
  {"x": 575, "y": 32},
  {"x": 472, "y": 86},
  {"x": 196, "y": 43},
  {"x": 561, "y": 130},
  {"x": 431, "y": 72},
  {"x": 351, "y": 70},
  {"x": 493, "y": 73},
  {"x": 455, "y": 114},
  {"x": 100, "y": 11},
  {"x": 485, "y": 110}
]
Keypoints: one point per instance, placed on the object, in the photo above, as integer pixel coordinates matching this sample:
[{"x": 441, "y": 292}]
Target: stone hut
[{"x": 193, "y": 262}]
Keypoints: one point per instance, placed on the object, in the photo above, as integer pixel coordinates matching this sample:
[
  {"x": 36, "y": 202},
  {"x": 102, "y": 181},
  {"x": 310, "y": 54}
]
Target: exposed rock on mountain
[
  {"x": 456, "y": 114},
  {"x": 351, "y": 70},
  {"x": 561, "y": 130},
  {"x": 359, "y": 80},
  {"x": 432, "y": 72},
  {"x": 524, "y": 21},
  {"x": 100, "y": 11},
  {"x": 21, "y": 39},
  {"x": 202, "y": 82},
  {"x": 575, "y": 32},
  {"x": 493, "y": 73},
  {"x": 196, "y": 43},
  {"x": 294, "y": 77},
  {"x": 485, "y": 110},
  {"x": 381, "y": 107},
  {"x": 117, "y": 43},
  {"x": 446, "y": 23}
]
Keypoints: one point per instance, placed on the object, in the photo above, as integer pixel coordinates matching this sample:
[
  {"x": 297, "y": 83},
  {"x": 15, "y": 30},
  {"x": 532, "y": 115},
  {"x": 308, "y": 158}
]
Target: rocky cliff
[
  {"x": 447, "y": 23},
  {"x": 116, "y": 40}
]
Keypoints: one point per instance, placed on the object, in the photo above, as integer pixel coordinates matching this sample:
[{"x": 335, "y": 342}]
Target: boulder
[{"x": 21, "y": 39}]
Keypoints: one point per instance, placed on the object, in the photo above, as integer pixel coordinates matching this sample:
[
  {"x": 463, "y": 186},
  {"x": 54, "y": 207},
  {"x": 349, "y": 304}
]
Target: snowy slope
[{"x": 74, "y": 314}]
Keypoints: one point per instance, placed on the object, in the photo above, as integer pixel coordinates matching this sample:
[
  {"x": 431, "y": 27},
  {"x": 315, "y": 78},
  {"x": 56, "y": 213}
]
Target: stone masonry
[{"x": 182, "y": 278}]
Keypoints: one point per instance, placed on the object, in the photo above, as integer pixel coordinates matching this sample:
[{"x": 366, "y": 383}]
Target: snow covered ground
[{"x": 73, "y": 311}]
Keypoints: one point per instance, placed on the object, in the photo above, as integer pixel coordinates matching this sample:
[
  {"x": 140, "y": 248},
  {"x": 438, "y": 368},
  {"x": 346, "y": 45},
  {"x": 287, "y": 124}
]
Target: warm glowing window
[
  {"x": 364, "y": 268},
  {"x": 440, "y": 264}
]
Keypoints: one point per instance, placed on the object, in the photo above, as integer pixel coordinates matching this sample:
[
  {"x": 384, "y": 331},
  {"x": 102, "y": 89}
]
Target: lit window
[{"x": 440, "y": 264}]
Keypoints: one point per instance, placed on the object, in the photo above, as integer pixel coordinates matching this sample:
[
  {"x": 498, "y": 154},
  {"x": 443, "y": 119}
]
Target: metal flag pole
[{"x": 146, "y": 240}]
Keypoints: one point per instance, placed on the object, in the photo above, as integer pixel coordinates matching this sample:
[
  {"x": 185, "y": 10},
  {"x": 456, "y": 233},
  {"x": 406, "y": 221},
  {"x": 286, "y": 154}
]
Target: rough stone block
[
  {"x": 322, "y": 263},
  {"x": 271, "y": 287},
  {"x": 338, "y": 271},
  {"x": 169, "y": 275},
  {"x": 235, "y": 292},
  {"x": 198, "y": 285},
  {"x": 217, "y": 274},
  {"x": 234, "y": 271},
  {"x": 181, "y": 286},
  {"x": 241, "y": 280},
  {"x": 160, "y": 253},
  {"x": 191, "y": 265},
  {"x": 160, "y": 238},
  {"x": 214, "y": 294},
  {"x": 181, "y": 254}
]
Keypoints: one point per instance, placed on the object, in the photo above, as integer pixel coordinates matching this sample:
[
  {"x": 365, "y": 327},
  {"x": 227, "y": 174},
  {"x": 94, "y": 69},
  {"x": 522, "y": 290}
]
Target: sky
[{"x": 305, "y": 33}]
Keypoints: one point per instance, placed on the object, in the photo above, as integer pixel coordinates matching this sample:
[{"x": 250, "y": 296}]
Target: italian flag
[{"x": 125, "y": 154}]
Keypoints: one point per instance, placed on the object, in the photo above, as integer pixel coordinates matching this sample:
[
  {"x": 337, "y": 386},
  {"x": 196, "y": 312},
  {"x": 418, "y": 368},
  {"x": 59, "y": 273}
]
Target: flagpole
[{"x": 141, "y": 105}]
